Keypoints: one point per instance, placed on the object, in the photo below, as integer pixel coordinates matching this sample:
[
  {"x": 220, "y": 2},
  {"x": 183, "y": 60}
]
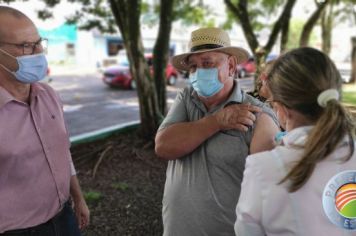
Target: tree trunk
[
  {"x": 240, "y": 11},
  {"x": 127, "y": 16},
  {"x": 353, "y": 60},
  {"x": 281, "y": 22},
  {"x": 284, "y": 36},
  {"x": 326, "y": 28},
  {"x": 260, "y": 58},
  {"x": 161, "y": 52},
  {"x": 309, "y": 25}
]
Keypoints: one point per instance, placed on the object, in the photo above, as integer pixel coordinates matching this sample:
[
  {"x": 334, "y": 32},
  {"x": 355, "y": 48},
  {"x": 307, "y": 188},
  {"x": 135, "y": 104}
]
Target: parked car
[
  {"x": 120, "y": 76},
  {"x": 246, "y": 68},
  {"x": 249, "y": 67},
  {"x": 345, "y": 71},
  {"x": 344, "y": 67}
]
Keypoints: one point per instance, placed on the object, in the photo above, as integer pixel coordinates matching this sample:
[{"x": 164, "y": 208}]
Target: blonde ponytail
[
  {"x": 296, "y": 80},
  {"x": 328, "y": 132}
]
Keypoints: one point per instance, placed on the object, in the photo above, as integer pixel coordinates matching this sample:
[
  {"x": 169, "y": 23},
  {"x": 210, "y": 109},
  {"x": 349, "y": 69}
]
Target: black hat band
[{"x": 205, "y": 46}]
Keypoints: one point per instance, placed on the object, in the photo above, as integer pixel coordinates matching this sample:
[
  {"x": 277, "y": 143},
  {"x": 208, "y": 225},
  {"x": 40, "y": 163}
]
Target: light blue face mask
[
  {"x": 32, "y": 68},
  {"x": 206, "y": 81},
  {"x": 279, "y": 137}
]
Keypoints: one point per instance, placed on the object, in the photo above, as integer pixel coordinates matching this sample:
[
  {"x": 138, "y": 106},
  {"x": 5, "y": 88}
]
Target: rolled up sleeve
[{"x": 177, "y": 113}]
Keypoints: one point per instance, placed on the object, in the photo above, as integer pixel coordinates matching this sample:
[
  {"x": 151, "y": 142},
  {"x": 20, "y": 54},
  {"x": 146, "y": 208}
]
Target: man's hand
[
  {"x": 236, "y": 116},
  {"x": 81, "y": 209},
  {"x": 82, "y": 214}
]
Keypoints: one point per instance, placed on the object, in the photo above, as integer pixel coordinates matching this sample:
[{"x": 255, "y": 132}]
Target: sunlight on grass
[
  {"x": 349, "y": 94},
  {"x": 120, "y": 186},
  {"x": 92, "y": 196}
]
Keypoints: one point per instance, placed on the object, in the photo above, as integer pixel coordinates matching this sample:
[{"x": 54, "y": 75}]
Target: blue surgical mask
[
  {"x": 279, "y": 137},
  {"x": 32, "y": 68},
  {"x": 206, "y": 81}
]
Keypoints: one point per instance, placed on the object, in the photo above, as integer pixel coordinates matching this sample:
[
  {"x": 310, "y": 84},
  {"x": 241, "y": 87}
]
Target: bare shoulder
[
  {"x": 264, "y": 120},
  {"x": 264, "y": 132}
]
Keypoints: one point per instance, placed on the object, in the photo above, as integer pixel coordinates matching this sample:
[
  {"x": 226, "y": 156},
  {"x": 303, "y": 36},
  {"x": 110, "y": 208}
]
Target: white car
[{"x": 345, "y": 71}]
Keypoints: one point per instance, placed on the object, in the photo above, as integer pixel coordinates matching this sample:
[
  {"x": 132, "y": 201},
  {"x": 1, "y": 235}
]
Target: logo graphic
[
  {"x": 346, "y": 200},
  {"x": 339, "y": 200}
]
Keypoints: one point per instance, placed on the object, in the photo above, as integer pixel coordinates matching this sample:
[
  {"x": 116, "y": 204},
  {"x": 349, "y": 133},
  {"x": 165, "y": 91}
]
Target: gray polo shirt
[{"x": 202, "y": 188}]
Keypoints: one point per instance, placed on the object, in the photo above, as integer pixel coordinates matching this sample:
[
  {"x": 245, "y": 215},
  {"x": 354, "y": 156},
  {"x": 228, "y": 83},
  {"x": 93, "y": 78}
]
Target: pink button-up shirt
[{"x": 35, "y": 159}]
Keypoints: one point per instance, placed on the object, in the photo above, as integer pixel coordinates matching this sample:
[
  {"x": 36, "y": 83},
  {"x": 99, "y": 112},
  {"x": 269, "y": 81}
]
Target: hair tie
[{"x": 326, "y": 96}]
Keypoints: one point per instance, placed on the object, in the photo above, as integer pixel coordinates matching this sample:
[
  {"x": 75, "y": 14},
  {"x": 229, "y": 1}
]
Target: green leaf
[
  {"x": 120, "y": 186},
  {"x": 92, "y": 196}
]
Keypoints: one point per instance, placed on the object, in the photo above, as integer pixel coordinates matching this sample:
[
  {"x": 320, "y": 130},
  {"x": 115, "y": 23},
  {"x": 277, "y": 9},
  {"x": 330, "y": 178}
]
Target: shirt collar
[
  {"x": 298, "y": 136},
  {"x": 6, "y": 97},
  {"x": 237, "y": 96},
  {"x": 36, "y": 88}
]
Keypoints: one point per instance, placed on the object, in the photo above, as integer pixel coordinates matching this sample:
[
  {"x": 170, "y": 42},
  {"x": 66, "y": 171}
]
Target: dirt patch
[{"x": 125, "y": 195}]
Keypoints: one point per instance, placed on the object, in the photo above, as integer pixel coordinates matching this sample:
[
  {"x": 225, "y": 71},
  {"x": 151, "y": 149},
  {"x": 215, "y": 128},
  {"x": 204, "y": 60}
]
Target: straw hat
[{"x": 209, "y": 40}]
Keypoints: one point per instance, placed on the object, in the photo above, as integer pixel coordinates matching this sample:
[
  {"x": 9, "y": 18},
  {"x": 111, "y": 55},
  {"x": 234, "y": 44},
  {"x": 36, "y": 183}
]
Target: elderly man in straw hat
[{"x": 207, "y": 134}]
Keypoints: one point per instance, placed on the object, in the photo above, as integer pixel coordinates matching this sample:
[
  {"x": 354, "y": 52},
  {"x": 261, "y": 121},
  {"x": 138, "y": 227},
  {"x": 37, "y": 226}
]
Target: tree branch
[
  {"x": 309, "y": 25},
  {"x": 161, "y": 51},
  {"x": 281, "y": 21},
  {"x": 118, "y": 15},
  {"x": 241, "y": 13}
]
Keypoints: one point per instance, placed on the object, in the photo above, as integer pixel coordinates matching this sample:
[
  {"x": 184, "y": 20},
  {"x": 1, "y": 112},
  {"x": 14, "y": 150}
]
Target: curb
[{"x": 103, "y": 133}]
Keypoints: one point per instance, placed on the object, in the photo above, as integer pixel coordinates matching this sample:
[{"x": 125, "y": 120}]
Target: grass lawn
[{"x": 349, "y": 94}]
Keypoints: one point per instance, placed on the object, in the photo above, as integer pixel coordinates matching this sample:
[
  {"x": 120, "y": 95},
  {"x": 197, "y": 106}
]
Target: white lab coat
[{"x": 267, "y": 208}]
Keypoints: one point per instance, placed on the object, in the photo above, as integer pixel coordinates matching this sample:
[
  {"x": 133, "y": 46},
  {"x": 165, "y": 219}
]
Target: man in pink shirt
[{"x": 37, "y": 176}]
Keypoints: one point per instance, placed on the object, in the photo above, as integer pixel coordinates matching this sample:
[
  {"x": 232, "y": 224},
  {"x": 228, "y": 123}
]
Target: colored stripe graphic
[{"x": 345, "y": 200}]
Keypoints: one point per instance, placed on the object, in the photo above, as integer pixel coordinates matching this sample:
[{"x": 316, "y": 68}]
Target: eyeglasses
[{"x": 29, "y": 48}]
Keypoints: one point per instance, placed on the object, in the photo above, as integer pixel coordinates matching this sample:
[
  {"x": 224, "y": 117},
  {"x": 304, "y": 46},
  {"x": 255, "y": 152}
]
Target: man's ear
[{"x": 232, "y": 65}]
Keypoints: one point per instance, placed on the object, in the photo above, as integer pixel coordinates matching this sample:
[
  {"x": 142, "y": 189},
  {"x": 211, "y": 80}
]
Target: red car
[
  {"x": 249, "y": 67},
  {"x": 120, "y": 75},
  {"x": 246, "y": 68}
]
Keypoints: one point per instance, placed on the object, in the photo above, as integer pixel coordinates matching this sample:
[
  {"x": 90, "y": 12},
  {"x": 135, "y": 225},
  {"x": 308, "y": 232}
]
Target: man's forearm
[
  {"x": 82, "y": 212},
  {"x": 75, "y": 190},
  {"x": 180, "y": 139}
]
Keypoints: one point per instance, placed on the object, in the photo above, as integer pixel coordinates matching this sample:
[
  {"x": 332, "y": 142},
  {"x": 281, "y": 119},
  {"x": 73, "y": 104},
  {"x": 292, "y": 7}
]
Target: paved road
[{"x": 90, "y": 105}]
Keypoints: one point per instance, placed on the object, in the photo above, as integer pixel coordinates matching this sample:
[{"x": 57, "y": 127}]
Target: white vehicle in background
[
  {"x": 345, "y": 71},
  {"x": 344, "y": 67}
]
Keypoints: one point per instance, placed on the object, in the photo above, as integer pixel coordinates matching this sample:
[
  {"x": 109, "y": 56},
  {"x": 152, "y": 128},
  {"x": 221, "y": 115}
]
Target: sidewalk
[{"x": 62, "y": 70}]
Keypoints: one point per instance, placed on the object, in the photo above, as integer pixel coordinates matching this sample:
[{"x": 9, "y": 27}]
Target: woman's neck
[{"x": 296, "y": 120}]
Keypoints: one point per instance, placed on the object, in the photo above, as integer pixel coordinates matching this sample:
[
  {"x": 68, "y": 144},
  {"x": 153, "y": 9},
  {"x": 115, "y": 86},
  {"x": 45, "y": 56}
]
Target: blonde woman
[{"x": 305, "y": 186}]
